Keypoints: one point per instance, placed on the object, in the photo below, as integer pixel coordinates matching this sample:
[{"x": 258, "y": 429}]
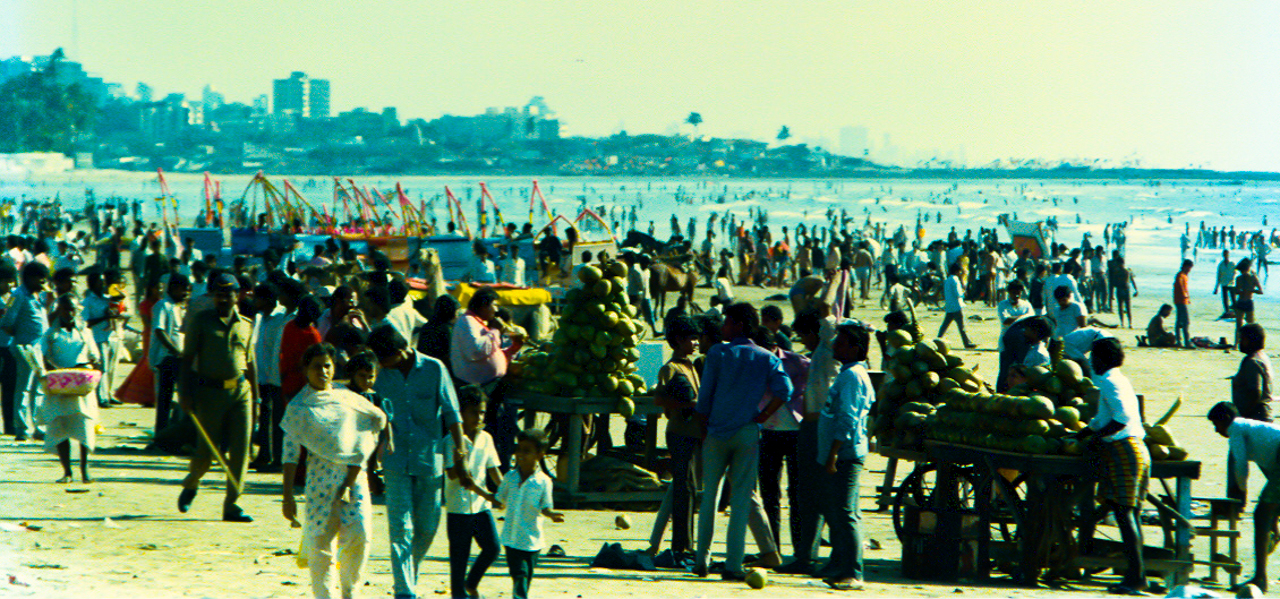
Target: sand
[{"x": 122, "y": 536}]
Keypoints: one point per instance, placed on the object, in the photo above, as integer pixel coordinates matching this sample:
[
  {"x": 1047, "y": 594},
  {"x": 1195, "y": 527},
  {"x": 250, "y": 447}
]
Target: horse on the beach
[{"x": 663, "y": 278}]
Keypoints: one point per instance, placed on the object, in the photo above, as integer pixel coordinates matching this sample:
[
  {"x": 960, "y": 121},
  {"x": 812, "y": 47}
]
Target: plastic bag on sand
[
  {"x": 304, "y": 548},
  {"x": 1191, "y": 592}
]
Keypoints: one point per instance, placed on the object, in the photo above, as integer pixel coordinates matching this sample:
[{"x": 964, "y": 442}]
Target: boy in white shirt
[
  {"x": 466, "y": 498},
  {"x": 525, "y": 493}
]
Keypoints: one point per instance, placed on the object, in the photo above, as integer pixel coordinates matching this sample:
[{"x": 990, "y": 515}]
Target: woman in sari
[
  {"x": 339, "y": 430},
  {"x": 140, "y": 386}
]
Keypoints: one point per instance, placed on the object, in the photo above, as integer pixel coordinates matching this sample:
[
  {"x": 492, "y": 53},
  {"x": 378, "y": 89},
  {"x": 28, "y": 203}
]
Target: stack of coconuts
[
  {"x": 593, "y": 352},
  {"x": 920, "y": 376},
  {"x": 933, "y": 395}
]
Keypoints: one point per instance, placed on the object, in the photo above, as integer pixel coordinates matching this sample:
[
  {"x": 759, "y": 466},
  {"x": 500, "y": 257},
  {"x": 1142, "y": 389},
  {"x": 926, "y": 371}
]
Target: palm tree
[
  {"x": 784, "y": 133},
  {"x": 695, "y": 119}
]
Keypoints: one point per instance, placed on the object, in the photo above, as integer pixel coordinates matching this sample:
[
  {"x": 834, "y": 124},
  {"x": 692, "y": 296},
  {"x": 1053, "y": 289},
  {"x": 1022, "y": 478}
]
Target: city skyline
[{"x": 1141, "y": 81}]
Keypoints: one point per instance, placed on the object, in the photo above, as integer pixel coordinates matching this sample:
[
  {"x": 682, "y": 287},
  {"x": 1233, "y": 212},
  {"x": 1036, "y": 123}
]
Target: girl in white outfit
[{"x": 340, "y": 430}]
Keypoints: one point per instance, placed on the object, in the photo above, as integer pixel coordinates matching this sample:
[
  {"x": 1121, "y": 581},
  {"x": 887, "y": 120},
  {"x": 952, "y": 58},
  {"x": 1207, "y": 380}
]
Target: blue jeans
[
  {"x": 738, "y": 455},
  {"x": 1182, "y": 326},
  {"x": 840, "y": 509},
  {"x": 413, "y": 516}
]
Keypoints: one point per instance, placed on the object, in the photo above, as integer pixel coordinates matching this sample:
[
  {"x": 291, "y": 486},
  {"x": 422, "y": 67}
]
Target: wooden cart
[{"x": 1042, "y": 506}]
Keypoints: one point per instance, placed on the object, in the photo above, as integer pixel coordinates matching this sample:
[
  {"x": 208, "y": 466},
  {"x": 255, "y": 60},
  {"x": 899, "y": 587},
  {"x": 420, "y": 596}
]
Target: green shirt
[{"x": 223, "y": 348}]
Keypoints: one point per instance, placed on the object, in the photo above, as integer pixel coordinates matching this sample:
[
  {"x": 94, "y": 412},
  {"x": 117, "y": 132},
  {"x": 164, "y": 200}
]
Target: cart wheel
[
  {"x": 1002, "y": 508},
  {"x": 917, "y": 490}
]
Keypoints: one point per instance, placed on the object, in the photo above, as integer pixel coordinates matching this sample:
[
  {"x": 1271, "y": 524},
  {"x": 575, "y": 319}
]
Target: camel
[{"x": 427, "y": 265}]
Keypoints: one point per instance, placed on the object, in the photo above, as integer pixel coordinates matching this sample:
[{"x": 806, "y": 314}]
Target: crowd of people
[{"x": 324, "y": 370}]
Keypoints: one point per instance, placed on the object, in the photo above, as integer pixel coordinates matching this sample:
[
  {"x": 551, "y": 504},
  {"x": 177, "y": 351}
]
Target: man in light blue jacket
[{"x": 842, "y": 448}]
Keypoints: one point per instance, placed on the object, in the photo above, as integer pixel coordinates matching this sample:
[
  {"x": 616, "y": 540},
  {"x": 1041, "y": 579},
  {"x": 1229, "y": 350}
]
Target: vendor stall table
[
  {"x": 568, "y": 492},
  {"x": 1039, "y": 502}
]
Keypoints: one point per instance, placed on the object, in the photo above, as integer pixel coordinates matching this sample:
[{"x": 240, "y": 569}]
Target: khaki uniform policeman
[{"x": 218, "y": 388}]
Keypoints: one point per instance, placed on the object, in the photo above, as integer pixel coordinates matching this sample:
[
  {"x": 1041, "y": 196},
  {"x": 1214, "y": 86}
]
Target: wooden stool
[{"x": 1222, "y": 511}]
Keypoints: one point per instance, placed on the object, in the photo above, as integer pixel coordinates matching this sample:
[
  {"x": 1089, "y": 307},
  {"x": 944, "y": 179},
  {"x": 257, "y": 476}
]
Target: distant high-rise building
[
  {"x": 144, "y": 92},
  {"x": 318, "y": 99},
  {"x": 301, "y": 96}
]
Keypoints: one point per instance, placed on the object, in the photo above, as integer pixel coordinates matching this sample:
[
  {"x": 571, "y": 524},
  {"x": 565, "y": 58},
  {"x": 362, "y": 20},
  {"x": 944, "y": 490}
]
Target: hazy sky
[{"x": 1171, "y": 83}]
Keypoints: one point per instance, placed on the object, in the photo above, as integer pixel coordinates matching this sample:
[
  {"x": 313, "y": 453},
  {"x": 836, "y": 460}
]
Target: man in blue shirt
[
  {"x": 26, "y": 322},
  {"x": 842, "y": 449},
  {"x": 734, "y": 379},
  {"x": 418, "y": 396}
]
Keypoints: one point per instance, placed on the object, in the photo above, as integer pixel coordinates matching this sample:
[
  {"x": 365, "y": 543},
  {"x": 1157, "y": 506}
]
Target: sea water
[{"x": 1156, "y": 212}]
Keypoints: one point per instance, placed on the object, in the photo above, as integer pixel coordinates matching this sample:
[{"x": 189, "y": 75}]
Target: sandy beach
[{"x": 122, "y": 536}]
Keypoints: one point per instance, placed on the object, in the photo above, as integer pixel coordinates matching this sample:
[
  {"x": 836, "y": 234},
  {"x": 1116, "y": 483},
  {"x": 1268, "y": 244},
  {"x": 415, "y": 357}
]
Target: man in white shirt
[
  {"x": 166, "y": 345},
  {"x": 1011, "y": 308},
  {"x": 1077, "y": 344},
  {"x": 268, "y": 331},
  {"x": 953, "y": 293},
  {"x": 1123, "y": 458},
  {"x": 512, "y": 266},
  {"x": 1226, "y": 282},
  {"x": 1258, "y": 442}
]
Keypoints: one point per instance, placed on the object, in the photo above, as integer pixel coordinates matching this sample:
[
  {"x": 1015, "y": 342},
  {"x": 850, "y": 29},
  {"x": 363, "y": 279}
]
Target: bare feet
[{"x": 66, "y": 480}]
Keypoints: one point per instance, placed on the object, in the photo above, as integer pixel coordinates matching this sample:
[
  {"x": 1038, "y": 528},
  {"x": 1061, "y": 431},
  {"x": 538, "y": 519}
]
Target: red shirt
[
  {"x": 293, "y": 343},
  {"x": 1180, "y": 295}
]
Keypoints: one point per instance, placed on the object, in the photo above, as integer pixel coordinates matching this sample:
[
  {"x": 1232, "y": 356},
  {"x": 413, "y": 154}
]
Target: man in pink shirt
[
  {"x": 477, "y": 357},
  {"x": 475, "y": 349}
]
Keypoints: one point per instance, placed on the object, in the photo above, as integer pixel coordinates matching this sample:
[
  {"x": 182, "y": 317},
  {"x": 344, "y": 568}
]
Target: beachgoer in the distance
[
  {"x": 953, "y": 294},
  {"x": 1182, "y": 303},
  {"x": 1121, "y": 280},
  {"x": 1246, "y": 286},
  {"x": 1225, "y": 281}
]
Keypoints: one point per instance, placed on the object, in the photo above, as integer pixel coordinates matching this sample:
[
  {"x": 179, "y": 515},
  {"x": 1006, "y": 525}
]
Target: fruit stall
[
  {"x": 999, "y": 481},
  {"x": 586, "y": 373}
]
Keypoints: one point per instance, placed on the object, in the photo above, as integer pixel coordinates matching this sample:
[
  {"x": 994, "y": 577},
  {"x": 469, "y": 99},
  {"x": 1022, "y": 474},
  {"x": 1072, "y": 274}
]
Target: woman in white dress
[
  {"x": 340, "y": 430},
  {"x": 69, "y": 418}
]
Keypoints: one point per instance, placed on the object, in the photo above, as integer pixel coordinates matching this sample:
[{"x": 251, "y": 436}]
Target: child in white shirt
[
  {"x": 69, "y": 417},
  {"x": 526, "y": 495},
  {"x": 466, "y": 498}
]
